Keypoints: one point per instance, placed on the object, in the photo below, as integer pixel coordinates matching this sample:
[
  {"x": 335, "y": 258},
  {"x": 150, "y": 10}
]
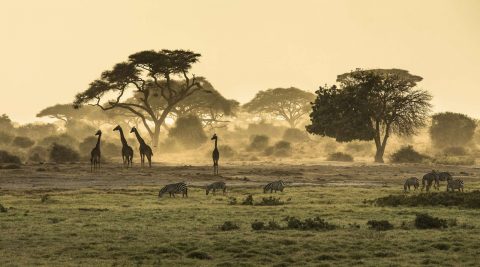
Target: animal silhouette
[
  {"x": 145, "y": 150},
  {"x": 215, "y": 155},
  {"x": 95, "y": 154},
  {"x": 127, "y": 151}
]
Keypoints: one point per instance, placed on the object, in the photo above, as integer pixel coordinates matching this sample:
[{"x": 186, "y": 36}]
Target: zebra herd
[
  {"x": 182, "y": 188},
  {"x": 433, "y": 178}
]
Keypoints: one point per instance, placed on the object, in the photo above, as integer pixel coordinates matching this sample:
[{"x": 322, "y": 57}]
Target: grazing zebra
[
  {"x": 429, "y": 178},
  {"x": 444, "y": 176},
  {"x": 173, "y": 189},
  {"x": 455, "y": 184},
  {"x": 412, "y": 181},
  {"x": 215, "y": 186},
  {"x": 274, "y": 186}
]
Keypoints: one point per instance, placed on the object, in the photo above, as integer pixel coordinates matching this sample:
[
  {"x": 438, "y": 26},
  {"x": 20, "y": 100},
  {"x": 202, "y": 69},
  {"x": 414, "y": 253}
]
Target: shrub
[
  {"x": 270, "y": 201},
  {"x": 271, "y": 225},
  {"x": 382, "y": 225},
  {"x": 111, "y": 149},
  {"x": 63, "y": 139},
  {"x": 2, "y": 208},
  {"x": 6, "y": 157},
  {"x": 188, "y": 131},
  {"x": 5, "y": 138},
  {"x": 248, "y": 200},
  {"x": 441, "y": 246},
  {"x": 425, "y": 221},
  {"x": 467, "y": 200},
  {"x": 199, "y": 255},
  {"x": 226, "y": 151},
  {"x": 263, "y": 128},
  {"x": 22, "y": 142},
  {"x": 295, "y": 135},
  {"x": 455, "y": 151},
  {"x": 232, "y": 201},
  {"x": 258, "y": 142},
  {"x": 61, "y": 154},
  {"x": 38, "y": 154},
  {"x": 228, "y": 226},
  {"x": 339, "y": 156},
  {"x": 315, "y": 223},
  {"x": 282, "y": 149},
  {"x": 407, "y": 155},
  {"x": 257, "y": 225}
]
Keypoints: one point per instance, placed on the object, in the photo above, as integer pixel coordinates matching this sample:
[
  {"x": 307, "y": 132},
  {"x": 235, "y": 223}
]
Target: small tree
[
  {"x": 370, "y": 105},
  {"x": 188, "y": 131},
  {"x": 289, "y": 104},
  {"x": 60, "y": 153},
  {"x": 451, "y": 129}
]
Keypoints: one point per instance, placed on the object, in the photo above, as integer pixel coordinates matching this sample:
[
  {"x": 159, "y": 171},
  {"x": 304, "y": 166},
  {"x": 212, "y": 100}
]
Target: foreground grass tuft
[{"x": 461, "y": 199}]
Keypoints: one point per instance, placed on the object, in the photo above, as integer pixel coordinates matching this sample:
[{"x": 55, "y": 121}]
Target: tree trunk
[
  {"x": 156, "y": 134},
  {"x": 379, "y": 154}
]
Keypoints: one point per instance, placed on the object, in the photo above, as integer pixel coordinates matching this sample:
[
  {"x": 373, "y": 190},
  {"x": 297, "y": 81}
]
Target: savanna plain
[{"x": 63, "y": 215}]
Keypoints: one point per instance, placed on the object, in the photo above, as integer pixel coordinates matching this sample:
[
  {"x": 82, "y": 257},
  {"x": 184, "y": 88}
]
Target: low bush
[
  {"x": 407, "y": 155},
  {"x": 257, "y": 225},
  {"x": 6, "y": 157},
  {"x": 3, "y": 209},
  {"x": 315, "y": 223},
  {"x": 270, "y": 226},
  {"x": 61, "y": 154},
  {"x": 295, "y": 135},
  {"x": 199, "y": 255},
  {"x": 461, "y": 199},
  {"x": 455, "y": 151},
  {"x": 382, "y": 225},
  {"x": 258, "y": 143},
  {"x": 280, "y": 149},
  {"x": 229, "y": 226},
  {"x": 23, "y": 142},
  {"x": 232, "y": 201},
  {"x": 339, "y": 156},
  {"x": 248, "y": 200},
  {"x": 5, "y": 138},
  {"x": 425, "y": 221},
  {"x": 270, "y": 201},
  {"x": 226, "y": 151}
]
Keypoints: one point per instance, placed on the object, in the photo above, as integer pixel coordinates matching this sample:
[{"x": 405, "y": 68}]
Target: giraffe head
[
  {"x": 98, "y": 132},
  {"x": 214, "y": 137},
  {"x": 118, "y": 128},
  {"x": 133, "y": 130}
]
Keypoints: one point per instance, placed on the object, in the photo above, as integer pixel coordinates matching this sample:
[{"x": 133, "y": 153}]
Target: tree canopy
[
  {"x": 289, "y": 104},
  {"x": 370, "y": 105},
  {"x": 150, "y": 76},
  {"x": 451, "y": 129}
]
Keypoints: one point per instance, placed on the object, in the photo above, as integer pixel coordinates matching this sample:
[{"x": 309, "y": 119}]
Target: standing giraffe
[
  {"x": 145, "y": 150},
  {"x": 215, "y": 155},
  {"x": 95, "y": 154},
  {"x": 127, "y": 151}
]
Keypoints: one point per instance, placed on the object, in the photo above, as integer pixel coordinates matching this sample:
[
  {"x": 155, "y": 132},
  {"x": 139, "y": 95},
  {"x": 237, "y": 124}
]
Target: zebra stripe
[
  {"x": 455, "y": 184},
  {"x": 173, "y": 189},
  {"x": 412, "y": 181},
  {"x": 216, "y": 186},
  {"x": 274, "y": 186}
]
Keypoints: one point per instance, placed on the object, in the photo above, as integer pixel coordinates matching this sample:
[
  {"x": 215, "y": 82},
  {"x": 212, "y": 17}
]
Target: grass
[
  {"x": 131, "y": 226},
  {"x": 466, "y": 200}
]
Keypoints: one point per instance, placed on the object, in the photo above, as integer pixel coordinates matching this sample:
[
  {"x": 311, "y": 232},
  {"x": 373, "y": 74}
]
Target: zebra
[
  {"x": 455, "y": 184},
  {"x": 445, "y": 176},
  {"x": 215, "y": 186},
  {"x": 429, "y": 178},
  {"x": 274, "y": 186},
  {"x": 173, "y": 189},
  {"x": 412, "y": 181}
]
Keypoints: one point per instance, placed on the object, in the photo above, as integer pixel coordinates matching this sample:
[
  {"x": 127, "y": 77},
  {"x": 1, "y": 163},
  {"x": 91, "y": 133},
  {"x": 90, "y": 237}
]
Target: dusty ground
[{"x": 114, "y": 218}]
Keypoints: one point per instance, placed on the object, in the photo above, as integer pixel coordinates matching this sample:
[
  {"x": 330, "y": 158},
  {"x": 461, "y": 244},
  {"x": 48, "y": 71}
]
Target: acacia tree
[
  {"x": 150, "y": 76},
  {"x": 451, "y": 129},
  {"x": 289, "y": 104},
  {"x": 370, "y": 105}
]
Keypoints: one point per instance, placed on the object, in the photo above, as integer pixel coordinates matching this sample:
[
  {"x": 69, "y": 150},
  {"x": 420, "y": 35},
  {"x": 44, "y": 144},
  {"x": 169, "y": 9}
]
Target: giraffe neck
[
  {"x": 215, "y": 143},
  {"x": 98, "y": 141},
  {"x": 122, "y": 137},
  {"x": 139, "y": 138}
]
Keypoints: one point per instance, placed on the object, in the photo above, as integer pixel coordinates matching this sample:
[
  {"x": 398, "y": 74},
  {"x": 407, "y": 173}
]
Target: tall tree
[
  {"x": 289, "y": 104},
  {"x": 370, "y": 105},
  {"x": 148, "y": 75},
  {"x": 451, "y": 129}
]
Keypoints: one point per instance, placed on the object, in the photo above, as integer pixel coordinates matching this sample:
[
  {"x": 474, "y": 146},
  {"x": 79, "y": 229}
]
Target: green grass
[{"x": 132, "y": 226}]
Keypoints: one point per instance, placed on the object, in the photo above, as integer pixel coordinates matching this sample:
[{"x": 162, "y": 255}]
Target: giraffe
[
  {"x": 145, "y": 150},
  {"x": 127, "y": 151},
  {"x": 215, "y": 155},
  {"x": 95, "y": 154}
]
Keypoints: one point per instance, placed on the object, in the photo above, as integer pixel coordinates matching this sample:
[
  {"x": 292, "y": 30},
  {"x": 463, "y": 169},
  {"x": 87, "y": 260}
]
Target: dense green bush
[
  {"x": 461, "y": 199},
  {"x": 258, "y": 142},
  {"x": 382, "y": 225},
  {"x": 271, "y": 225},
  {"x": 6, "y": 157},
  {"x": 295, "y": 135},
  {"x": 22, "y": 142},
  {"x": 339, "y": 156},
  {"x": 60, "y": 153},
  {"x": 315, "y": 223},
  {"x": 425, "y": 221},
  {"x": 407, "y": 155}
]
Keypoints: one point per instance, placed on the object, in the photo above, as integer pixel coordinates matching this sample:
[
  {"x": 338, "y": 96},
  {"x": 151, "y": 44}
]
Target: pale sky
[{"x": 51, "y": 50}]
